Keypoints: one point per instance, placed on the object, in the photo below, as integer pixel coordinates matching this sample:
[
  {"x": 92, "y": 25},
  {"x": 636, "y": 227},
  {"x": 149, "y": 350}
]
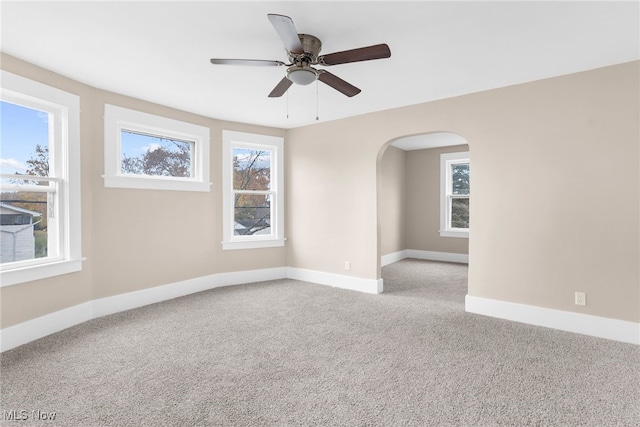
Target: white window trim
[
  {"x": 231, "y": 139},
  {"x": 67, "y": 115},
  {"x": 446, "y": 160},
  {"x": 117, "y": 119}
]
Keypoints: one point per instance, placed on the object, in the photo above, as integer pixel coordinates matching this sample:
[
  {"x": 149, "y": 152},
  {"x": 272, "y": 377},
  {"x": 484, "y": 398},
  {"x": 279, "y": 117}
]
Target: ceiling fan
[{"x": 304, "y": 51}]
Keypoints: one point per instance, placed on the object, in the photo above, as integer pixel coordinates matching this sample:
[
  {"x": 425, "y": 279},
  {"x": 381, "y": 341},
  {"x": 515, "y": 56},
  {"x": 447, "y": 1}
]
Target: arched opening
[{"x": 423, "y": 199}]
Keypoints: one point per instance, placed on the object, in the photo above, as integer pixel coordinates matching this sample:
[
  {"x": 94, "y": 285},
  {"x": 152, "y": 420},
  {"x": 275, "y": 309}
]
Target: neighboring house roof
[
  {"x": 249, "y": 223},
  {"x": 244, "y": 226},
  {"x": 6, "y": 209}
]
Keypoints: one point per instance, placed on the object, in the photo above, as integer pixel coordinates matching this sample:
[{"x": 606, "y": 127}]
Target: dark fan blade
[
  {"x": 338, "y": 84},
  {"x": 378, "y": 51},
  {"x": 252, "y": 62},
  {"x": 287, "y": 32},
  {"x": 280, "y": 88}
]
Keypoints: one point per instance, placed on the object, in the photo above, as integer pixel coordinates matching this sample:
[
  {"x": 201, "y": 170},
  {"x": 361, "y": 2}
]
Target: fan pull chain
[
  {"x": 287, "y": 104},
  {"x": 317, "y": 114}
]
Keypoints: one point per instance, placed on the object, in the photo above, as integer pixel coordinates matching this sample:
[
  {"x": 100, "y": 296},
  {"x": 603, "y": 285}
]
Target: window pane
[
  {"x": 460, "y": 213},
  {"x": 154, "y": 155},
  {"x": 24, "y": 136},
  {"x": 23, "y": 225},
  {"x": 460, "y": 178},
  {"x": 252, "y": 214},
  {"x": 251, "y": 169}
]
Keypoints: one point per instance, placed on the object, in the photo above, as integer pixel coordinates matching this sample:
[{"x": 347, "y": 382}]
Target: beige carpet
[{"x": 289, "y": 353}]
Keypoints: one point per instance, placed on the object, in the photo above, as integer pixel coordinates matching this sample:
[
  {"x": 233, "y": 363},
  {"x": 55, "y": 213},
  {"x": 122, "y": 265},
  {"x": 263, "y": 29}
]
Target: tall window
[
  {"x": 253, "y": 202},
  {"x": 40, "y": 186},
  {"x": 151, "y": 152},
  {"x": 454, "y": 194}
]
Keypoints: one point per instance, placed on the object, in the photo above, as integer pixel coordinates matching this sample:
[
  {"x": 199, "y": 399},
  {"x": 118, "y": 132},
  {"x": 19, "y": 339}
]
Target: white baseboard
[
  {"x": 429, "y": 255},
  {"x": 438, "y": 256},
  {"x": 122, "y": 302},
  {"x": 392, "y": 257},
  {"x": 31, "y": 330},
  {"x": 601, "y": 327},
  {"x": 370, "y": 286},
  {"x": 34, "y": 329}
]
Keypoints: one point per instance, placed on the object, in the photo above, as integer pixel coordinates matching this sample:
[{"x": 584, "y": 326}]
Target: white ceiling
[
  {"x": 428, "y": 140},
  {"x": 159, "y": 51}
]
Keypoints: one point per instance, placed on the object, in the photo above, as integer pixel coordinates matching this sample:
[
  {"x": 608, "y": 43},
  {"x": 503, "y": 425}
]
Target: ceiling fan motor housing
[
  {"x": 311, "y": 46},
  {"x": 301, "y": 72}
]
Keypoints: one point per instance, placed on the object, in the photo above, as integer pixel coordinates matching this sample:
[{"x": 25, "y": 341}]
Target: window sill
[
  {"x": 253, "y": 244},
  {"x": 156, "y": 183},
  {"x": 451, "y": 233},
  {"x": 40, "y": 271}
]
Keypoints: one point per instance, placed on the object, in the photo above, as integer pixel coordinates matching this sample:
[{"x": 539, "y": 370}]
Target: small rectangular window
[
  {"x": 455, "y": 190},
  {"x": 155, "y": 155},
  {"x": 152, "y": 152}
]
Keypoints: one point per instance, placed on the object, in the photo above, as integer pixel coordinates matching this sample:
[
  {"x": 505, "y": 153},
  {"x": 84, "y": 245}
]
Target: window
[
  {"x": 454, "y": 194},
  {"x": 40, "y": 186},
  {"x": 151, "y": 152},
  {"x": 253, "y": 205}
]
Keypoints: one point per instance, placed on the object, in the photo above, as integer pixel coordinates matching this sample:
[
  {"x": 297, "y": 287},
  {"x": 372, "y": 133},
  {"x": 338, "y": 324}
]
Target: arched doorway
[{"x": 413, "y": 208}]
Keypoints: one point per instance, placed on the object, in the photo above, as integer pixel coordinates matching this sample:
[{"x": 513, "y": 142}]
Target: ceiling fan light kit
[
  {"x": 303, "y": 51},
  {"x": 304, "y": 75}
]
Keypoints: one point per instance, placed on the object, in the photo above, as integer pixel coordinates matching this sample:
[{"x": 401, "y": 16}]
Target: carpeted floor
[{"x": 288, "y": 353}]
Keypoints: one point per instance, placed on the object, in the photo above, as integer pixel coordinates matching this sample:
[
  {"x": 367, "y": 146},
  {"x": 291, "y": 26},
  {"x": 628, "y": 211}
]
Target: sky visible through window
[
  {"x": 135, "y": 144},
  {"x": 21, "y": 129},
  {"x": 155, "y": 155}
]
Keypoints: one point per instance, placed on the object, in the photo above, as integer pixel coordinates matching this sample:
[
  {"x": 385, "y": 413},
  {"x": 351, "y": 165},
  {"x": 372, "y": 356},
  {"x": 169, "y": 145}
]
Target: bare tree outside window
[
  {"x": 156, "y": 156},
  {"x": 252, "y": 191}
]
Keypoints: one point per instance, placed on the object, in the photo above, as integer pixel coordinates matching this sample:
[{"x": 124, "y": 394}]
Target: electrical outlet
[
  {"x": 581, "y": 298},
  {"x": 347, "y": 265}
]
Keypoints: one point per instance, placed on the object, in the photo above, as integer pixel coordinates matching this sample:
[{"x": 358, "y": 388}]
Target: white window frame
[
  {"x": 446, "y": 196},
  {"x": 64, "y": 234},
  {"x": 231, "y": 140},
  {"x": 117, "y": 119}
]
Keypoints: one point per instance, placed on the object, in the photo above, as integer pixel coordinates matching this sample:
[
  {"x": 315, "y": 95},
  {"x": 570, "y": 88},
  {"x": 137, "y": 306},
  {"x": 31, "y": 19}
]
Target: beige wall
[
  {"x": 423, "y": 203},
  {"x": 555, "y": 198},
  {"x": 392, "y": 201},
  {"x": 332, "y": 198},
  {"x": 133, "y": 239},
  {"x": 555, "y": 190}
]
